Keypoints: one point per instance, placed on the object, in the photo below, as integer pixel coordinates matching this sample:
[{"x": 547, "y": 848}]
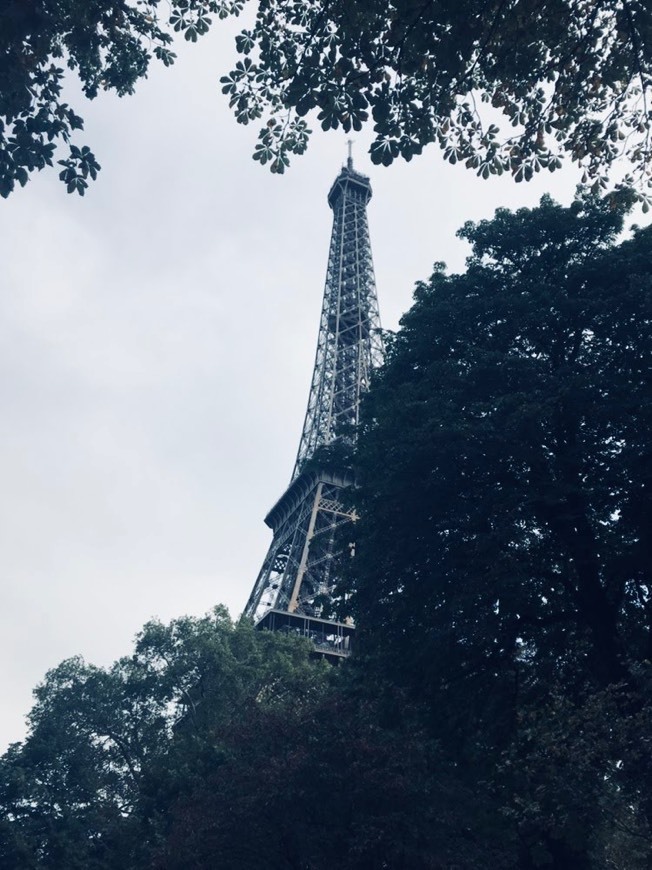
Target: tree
[
  {"x": 109, "y": 44},
  {"x": 350, "y": 780},
  {"x": 502, "y": 556},
  {"x": 69, "y": 793},
  {"x": 108, "y": 747},
  {"x": 521, "y": 448},
  {"x": 217, "y": 745},
  {"x": 565, "y": 78},
  {"x": 571, "y": 78}
]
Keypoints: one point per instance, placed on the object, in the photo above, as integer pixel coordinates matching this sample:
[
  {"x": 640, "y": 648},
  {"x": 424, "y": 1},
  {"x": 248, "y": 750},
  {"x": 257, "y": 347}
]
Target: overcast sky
[{"x": 156, "y": 345}]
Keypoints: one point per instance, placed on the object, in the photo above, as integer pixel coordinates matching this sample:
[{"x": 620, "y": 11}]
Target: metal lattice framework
[
  {"x": 297, "y": 576},
  {"x": 349, "y": 343}
]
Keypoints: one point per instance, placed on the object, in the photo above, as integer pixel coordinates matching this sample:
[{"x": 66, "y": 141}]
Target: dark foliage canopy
[
  {"x": 109, "y": 750},
  {"x": 502, "y": 570},
  {"x": 512, "y": 87},
  {"x": 215, "y": 745},
  {"x": 512, "y": 426}
]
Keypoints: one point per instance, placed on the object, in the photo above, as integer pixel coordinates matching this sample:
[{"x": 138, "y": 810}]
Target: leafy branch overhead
[
  {"x": 503, "y": 86},
  {"x": 109, "y": 44}
]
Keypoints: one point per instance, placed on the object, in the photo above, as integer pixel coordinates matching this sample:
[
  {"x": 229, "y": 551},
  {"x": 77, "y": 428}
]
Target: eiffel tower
[{"x": 294, "y": 588}]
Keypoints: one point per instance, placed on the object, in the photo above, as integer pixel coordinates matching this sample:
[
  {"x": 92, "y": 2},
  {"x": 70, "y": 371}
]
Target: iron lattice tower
[{"x": 295, "y": 585}]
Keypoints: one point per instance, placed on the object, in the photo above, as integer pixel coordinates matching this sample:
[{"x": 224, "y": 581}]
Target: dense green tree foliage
[
  {"x": 108, "y": 750},
  {"x": 351, "y": 781},
  {"x": 502, "y": 569},
  {"x": 515, "y": 489},
  {"x": 217, "y": 745},
  {"x": 502, "y": 86}
]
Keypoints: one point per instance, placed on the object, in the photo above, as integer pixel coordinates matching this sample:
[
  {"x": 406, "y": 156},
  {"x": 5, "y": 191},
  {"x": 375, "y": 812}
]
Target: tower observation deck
[{"x": 294, "y": 589}]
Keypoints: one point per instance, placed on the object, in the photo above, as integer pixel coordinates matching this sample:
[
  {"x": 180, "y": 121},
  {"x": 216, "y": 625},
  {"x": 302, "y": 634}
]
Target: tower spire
[
  {"x": 349, "y": 159},
  {"x": 294, "y": 589}
]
